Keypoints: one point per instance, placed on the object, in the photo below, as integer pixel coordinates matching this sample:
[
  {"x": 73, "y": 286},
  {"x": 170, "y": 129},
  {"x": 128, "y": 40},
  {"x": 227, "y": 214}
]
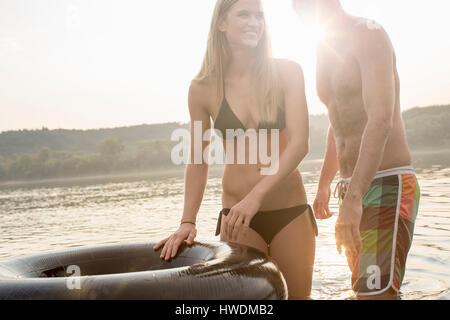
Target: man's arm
[
  {"x": 378, "y": 87},
  {"x": 378, "y": 90},
  {"x": 327, "y": 174}
]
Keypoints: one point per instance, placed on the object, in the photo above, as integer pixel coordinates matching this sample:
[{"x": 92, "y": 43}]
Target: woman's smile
[{"x": 251, "y": 34}]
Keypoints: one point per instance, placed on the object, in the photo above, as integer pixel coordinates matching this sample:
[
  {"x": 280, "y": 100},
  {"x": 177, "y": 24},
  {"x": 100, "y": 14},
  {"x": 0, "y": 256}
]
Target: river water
[{"x": 48, "y": 216}]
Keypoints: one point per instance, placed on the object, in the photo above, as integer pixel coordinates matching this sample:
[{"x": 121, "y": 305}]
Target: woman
[{"x": 240, "y": 86}]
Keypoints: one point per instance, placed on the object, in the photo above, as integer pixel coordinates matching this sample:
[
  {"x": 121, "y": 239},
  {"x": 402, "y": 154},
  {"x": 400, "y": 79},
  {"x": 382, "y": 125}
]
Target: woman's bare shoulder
[
  {"x": 286, "y": 66},
  {"x": 289, "y": 71},
  {"x": 202, "y": 90}
]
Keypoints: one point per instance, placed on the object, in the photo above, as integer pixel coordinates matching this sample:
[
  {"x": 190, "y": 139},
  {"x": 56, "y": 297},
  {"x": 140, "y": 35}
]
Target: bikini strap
[
  {"x": 314, "y": 221},
  {"x": 223, "y": 89},
  {"x": 219, "y": 222}
]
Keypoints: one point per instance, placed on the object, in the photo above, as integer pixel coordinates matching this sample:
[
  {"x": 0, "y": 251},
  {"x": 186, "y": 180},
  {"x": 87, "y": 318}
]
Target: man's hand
[
  {"x": 347, "y": 226},
  {"x": 321, "y": 204}
]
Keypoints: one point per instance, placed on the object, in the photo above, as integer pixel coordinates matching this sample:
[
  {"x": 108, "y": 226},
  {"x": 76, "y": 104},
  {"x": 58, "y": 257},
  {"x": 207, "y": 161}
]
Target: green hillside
[
  {"x": 428, "y": 128},
  {"x": 80, "y": 141},
  {"x": 37, "y": 154}
]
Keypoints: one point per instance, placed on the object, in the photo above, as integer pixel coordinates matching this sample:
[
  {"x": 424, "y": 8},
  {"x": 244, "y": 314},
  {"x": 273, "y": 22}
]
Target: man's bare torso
[{"x": 339, "y": 85}]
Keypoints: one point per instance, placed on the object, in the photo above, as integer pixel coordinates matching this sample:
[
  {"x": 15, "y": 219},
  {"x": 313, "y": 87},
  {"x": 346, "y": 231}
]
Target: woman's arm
[
  {"x": 195, "y": 177},
  {"x": 297, "y": 125}
]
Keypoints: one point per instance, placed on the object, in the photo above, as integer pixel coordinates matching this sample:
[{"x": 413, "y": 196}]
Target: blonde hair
[{"x": 217, "y": 57}]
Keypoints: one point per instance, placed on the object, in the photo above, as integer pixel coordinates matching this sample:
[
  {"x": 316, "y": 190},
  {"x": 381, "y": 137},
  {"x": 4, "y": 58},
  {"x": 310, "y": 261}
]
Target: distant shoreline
[
  {"x": 117, "y": 176},
  {"x": 92, "y": 178},
  {"x": 134, "y": 175}
]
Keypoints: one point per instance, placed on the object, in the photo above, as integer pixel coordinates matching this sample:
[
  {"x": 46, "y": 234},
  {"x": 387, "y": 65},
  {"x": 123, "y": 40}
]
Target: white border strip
[
  {"x": 395, "y": 171},
  {"x": 387, "y": 173},
  {"x": 394, "y": 244}
]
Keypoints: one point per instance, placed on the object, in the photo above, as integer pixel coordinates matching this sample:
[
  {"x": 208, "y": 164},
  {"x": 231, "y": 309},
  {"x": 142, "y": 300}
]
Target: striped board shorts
[{"x": 390, "y": 208}]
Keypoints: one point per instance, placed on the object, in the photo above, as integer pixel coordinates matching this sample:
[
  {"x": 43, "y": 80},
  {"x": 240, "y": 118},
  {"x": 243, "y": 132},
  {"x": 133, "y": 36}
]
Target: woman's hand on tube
[{"x": 186, "y": 231}]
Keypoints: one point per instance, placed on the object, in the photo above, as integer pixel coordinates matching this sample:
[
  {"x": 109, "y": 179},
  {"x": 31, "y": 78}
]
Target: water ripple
[{"x": 46, "y": 218}]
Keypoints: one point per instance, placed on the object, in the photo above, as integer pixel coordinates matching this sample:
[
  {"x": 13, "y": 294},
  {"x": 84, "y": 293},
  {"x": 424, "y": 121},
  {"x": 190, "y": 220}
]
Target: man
[{"x": 357, "y": 80}]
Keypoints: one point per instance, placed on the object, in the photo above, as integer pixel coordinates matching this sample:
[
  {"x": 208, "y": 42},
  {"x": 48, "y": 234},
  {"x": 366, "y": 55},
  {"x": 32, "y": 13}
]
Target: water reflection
[{"x": 41, "y": 218}]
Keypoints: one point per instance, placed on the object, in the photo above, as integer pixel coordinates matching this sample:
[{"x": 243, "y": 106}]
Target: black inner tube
[
  {"x": 127, "y": 259},
  {"x": 135, "y": 271}
]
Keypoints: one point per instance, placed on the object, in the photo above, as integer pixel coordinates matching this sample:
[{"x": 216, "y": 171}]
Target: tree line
[
  {"x": 110, "y": 158},
  {"x": 39, "y": 154}
]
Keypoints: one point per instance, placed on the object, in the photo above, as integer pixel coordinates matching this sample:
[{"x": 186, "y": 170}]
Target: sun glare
[
  {"x": 290, "y": 37},
  {"x": 296, "y": 41}
]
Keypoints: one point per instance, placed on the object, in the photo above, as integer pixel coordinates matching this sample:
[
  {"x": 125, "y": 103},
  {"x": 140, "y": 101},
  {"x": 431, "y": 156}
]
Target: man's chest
[{"x": 338, "y": 76}]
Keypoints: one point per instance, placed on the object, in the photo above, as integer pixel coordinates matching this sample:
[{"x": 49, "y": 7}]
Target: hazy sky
[{"x": 80, "y": 64}]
